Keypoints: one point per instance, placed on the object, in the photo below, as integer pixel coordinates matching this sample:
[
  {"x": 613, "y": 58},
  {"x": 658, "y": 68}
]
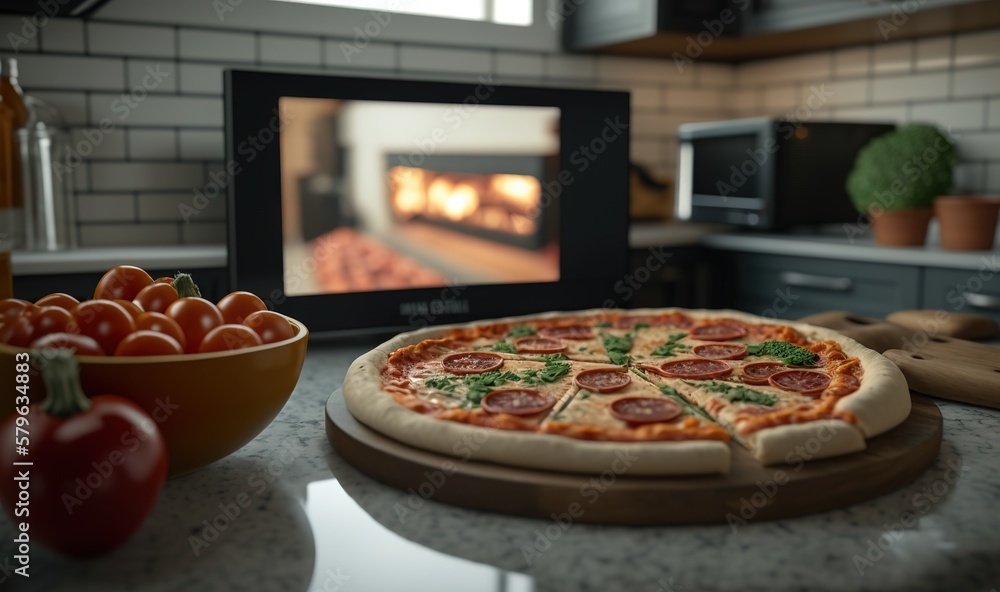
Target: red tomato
[
  {"x": 148, "y": 343},
  {"x": 98, "y": 467},
  {"x": 156, "y": 297},
  {"x": 271, "y": 326},
  {"x": 58, "y": 299},
  {"x": 133, "y": 309},
  {"x": 197, "y": 317},
  {"x": 104, "y": 320},
  {"x": 164, "y": 280},
  {"x": 51, "y": 319},
  {"x": 122, "y": 283},
  {"x": 17, "y": 331},
  {"x": 228, "y": 337},
  {"x": 11, "y": 307},
  {"x": 161, "y": 323},
  {"x": 80, "y": 344},
  {"x": 236, "y": 306}
]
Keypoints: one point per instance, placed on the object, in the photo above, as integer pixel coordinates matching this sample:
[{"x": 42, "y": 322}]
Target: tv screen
[
  {"x": 364, "y": 204},
  {"x": 390, "y": 195}
]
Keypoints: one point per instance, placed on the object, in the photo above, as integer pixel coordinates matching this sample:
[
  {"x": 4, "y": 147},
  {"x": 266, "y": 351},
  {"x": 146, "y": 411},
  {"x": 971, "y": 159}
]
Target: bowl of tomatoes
[{"x": 211, "y": 375}]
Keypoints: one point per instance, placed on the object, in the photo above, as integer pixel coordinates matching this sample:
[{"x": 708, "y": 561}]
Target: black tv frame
[{"x": 593, "y": 225}]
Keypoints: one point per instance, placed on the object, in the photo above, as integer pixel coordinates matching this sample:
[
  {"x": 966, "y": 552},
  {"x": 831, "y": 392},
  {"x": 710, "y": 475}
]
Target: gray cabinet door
[
  {"x": 793, "y": 287},
  {"x": 964, "y": 290}
]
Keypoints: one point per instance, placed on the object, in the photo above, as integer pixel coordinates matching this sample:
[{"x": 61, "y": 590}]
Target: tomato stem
[
  {"x": 185, "y": 286},
  {"x": 64, "y": 395}
]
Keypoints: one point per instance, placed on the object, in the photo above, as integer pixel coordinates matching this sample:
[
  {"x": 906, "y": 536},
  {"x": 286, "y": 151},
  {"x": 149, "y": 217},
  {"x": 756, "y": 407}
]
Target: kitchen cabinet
[
  {"x": 793, "y": 287},
  {"x": 754, "y": 29},
  {"x": 961, "y": 290}
]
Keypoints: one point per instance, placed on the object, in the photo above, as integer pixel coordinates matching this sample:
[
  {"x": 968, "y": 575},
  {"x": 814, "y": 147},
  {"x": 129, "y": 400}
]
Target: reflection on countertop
[{"x": 287, "y": 513}]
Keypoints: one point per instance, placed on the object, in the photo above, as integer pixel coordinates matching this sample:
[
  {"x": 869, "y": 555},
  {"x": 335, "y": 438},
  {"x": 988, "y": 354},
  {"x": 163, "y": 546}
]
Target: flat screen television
[{"x": 362, "y": 203}]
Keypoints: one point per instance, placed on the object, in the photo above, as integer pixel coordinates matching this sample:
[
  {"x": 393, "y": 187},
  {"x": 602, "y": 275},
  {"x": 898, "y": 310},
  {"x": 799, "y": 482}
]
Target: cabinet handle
[
  {"x": 820, "y": 282},
  {"x": 982, "y": 300}
]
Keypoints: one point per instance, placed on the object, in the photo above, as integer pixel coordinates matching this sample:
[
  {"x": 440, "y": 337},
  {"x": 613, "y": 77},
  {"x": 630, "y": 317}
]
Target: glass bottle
[{"x": 13, "y": 116}]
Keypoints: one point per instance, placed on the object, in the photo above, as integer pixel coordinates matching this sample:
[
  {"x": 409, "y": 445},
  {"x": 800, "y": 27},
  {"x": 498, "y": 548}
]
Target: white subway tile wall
[{"x": 160, "y": 89}]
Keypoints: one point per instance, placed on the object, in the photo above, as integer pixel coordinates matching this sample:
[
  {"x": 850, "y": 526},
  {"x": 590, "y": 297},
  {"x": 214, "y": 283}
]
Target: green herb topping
[
  {"x": 522, "y": 331},
  {"x": 790, "y": 355},
  {"x": 504, "y": 347},
  {"x": 735, "y": 393},
  {"x": 669, "y": 348},
  {"x": 617, "y": 348}
]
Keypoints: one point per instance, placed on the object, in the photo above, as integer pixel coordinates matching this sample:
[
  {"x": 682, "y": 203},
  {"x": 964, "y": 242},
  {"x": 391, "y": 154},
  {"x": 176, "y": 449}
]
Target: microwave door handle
[
  {"x": 984, "y": 301},
  {"x": 819, "y": 282}
]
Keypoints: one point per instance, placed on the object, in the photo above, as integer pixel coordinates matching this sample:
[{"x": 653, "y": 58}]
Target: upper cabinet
[{"x": 738, "y": 30}]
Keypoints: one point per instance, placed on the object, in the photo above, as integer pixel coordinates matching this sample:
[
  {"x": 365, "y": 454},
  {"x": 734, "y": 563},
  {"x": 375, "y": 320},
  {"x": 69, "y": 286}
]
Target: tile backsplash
[{"x": 134, "y": 178}]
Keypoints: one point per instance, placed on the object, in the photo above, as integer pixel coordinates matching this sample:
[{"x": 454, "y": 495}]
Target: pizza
[{"x": 670, "y": 390}]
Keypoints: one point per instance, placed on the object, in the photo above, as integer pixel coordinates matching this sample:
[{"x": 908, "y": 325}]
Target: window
[{"x": 503, "y": 12}]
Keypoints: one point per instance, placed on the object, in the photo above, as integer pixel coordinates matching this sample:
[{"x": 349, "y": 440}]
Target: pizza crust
[{"x": 881, "y": 403}]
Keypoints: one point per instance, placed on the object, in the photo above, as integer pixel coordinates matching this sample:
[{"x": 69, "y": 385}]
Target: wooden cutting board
[
  {"x": 748, "y": 493},
  {"x": 935, "y": 365}
]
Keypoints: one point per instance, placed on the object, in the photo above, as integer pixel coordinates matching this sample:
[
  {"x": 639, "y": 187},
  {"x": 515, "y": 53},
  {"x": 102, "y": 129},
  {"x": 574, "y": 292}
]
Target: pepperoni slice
[
  {"x": 538, "y": 345},
  {"x": 645, "y": 409},
  {"x": 720, "y": 332},
  {"x": 721, "y": 351},
  {"x": 567, "y": 332},
  {"x": 471, "y": 362},
  {"x": 601, "y": 380},
  {"x": 758, "y": 372},
  {"x": 845, "y": 384},
  {"x": 517, "y": 401},
  {"x": 694, "y": 368},
  {"x": 800, "y": 381}
]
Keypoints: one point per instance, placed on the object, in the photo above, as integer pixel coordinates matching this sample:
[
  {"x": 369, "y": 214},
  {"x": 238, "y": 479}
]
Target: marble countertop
[{"x": 315, "y": 523}]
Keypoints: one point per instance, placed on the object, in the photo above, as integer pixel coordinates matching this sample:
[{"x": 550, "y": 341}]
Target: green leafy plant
[{"x": 902, "y": 170}]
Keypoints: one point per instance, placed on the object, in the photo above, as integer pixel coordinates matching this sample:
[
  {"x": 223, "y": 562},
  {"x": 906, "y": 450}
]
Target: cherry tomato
[
  {"x": 161, "y": 323},
  {"x": 156, "y": 297},
  {"x": 106, "y": 321},
  {"x": 98, "y": 465},
  {"x": 236, "y": 306},
  {"x": 80, "y": 344},
  {"x": 271, "y": 326},
  {"x": 227, "y": 337},
  {"x": 133, "y": 309},
  {"x": 164, "y": 280},
  {"x": 51, "y": 319},
  {"x": 17, "y": 331},
  {"x": 58, "y": 299},
  {"x": 148, "y": 343},
  {"x": 197, "y": 317},
  {"x": 11, "y": 307},
  {"x": 122, "y": 283}
]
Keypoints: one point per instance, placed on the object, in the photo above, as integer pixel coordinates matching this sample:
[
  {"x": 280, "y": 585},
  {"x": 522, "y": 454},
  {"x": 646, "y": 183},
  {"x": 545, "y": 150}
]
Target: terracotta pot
[
  {"x": 902, "y": 228},
  {"x": 967, "y": 223}
]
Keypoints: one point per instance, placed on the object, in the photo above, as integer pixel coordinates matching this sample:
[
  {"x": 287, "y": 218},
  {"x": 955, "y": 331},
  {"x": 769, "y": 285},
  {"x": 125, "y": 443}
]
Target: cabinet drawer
[
  {"x": 793, "y": 287},
  {"x": 964, "y": 290}
]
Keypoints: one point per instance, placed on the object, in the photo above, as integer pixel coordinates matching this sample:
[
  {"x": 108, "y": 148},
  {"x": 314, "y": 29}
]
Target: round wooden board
[{"x": 750, "y": 490}]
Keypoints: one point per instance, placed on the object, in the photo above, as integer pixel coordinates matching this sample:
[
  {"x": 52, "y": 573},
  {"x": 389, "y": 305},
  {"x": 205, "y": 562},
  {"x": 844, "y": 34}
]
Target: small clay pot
[
  {"x": 902, "y": 228},
  {"x": 968, "y": 223}
]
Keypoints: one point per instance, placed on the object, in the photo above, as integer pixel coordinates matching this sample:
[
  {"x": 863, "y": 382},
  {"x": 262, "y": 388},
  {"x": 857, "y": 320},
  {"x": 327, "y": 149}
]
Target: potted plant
[
  {"x": 895, "y": 179},
  {"x": 968, "y": 222}
]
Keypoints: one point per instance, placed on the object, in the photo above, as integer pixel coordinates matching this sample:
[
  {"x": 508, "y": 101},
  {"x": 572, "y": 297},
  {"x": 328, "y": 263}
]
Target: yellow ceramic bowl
[{"x": 207, "y": 405}]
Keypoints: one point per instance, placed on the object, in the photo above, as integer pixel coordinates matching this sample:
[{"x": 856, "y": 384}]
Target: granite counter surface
[{"x": 287, "y": 513}]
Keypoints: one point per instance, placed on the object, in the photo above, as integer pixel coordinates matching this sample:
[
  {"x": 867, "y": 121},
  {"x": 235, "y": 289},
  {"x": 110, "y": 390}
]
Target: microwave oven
[{"x": 768, "y": 173}]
